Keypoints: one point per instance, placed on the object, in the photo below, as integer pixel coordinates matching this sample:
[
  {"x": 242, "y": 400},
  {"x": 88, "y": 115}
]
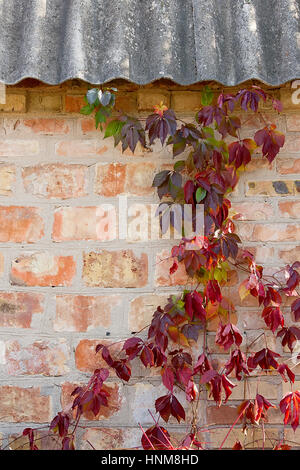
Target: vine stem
[{"x": 232, "y": 426}]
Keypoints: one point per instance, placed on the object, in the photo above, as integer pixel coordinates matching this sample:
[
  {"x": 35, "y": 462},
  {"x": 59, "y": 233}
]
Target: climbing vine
[{"x": 214, "y": 154}]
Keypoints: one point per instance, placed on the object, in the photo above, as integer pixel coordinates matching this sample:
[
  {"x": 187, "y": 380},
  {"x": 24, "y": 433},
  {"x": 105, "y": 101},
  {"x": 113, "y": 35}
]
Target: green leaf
[
  {"x": 86, "y": 110},
  {"x": 207, "y": 96},
  {"x": 113, "y": 128},
  {"x": 200, "y": 194},
  {"x": 178, "y": 166}
]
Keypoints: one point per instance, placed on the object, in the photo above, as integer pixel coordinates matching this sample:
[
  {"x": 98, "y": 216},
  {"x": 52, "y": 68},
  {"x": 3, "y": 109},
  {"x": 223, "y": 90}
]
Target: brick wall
[{"x": 66, "y": 283}]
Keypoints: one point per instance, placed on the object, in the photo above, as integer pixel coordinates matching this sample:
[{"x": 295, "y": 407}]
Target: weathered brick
[
  {"x": 293, "y": 122},
  {"x": 24, "y": 405},
  {"x": 250, "y": 211},
  {"x": 7, "y": 179},
  {"x": 290, "y": 209},
  {"x": 85, "y": 312},
  {"x": 1, "y": 264},
  {"x": 121, "y": 178},
  {"x": 43, "y": 441},
  {"x": 42, "y": 269},
  {"x": 225, "y": 414},
  {"x": 115, "y": 269},
  {"x": 85, "y": 223},
  {"x": 14, "y": 103},
  {"x": 292, "y": 143},
  {"x": 37, "y": 102},
  {"x": 111, "y": 438},
  {"x": 74, "y": 103},
  {"x": 162, "y": 271},
  {"x": 142, "y": 309},
  {"x": 19, "y": 148},
  {"x": 17, "y": 308},
  {"x": 186, "y": 101},
  {"x": 290, "y": 254},
  {"x": 39, "y": 358},
  {"x": 114, "y": 400},
  {"x": 271, "y": 188},
  {"x": 80, "y": 148},
  {"x": 47, "y": 126},
  {"x": 20, "y": 224},
  {"x": 288, "y": 166},
  {"x": 86, "y": 358},
  {"x": 147, "y": 99},
  {"x": 56, "y": 180},
  {"x": 276, "y": 233}
]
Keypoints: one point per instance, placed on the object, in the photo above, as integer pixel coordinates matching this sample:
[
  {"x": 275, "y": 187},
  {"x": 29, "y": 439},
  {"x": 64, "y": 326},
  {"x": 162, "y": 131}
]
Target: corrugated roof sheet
[{"x": 142, "y": 40}]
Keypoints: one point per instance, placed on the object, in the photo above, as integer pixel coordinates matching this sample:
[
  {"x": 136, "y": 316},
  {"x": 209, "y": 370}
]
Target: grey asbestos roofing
[{"x": 143, "y": 40}]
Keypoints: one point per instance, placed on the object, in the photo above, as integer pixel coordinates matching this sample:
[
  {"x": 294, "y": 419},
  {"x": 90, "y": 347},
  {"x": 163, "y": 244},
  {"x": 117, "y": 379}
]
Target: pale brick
[
  {"x": 147, "y": 99},
  {"x": 85, "y": 312},
  {"x": 44, "y": 103},
  {"x": 80, "y": 148},
  {"x": 115, "y": 269},
  {"x": 85, "y": 223},
  {"x": 19, "y": 148},
  {"x": 38, "y": 358},
  {"x": 56, "y": 180},
  {"x": 14, "y": 103},
  {"x": 7, "y": 179}
]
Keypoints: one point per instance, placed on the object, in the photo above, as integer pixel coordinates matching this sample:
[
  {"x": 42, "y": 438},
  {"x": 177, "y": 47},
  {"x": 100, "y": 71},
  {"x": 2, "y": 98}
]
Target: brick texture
[{"x": 69, "y": 282}]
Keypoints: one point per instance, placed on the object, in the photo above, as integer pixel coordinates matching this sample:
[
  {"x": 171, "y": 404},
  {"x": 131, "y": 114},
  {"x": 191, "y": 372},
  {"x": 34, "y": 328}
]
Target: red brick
[
  {"x": 47, "y": 126},
  {"x": 39, "y": 358},
  {"x": 114, "y": 400},
  {"x": 56, "y": 180},
  {"x": 120, "y": 178},
  {"x": 24, "y": 405},
  {"x": 86, "y": 358},
  {"x": 162, "y": 271},
  {"x": 115, "y": 269},
  {"x": 226, "y": 414},
  {"x": 17, "y": 308},
  {"x": 288, "y": 166},
  {"x": 88, "y": 125},
  {"x": 19, "y": 148},
  {"x": 42, "y": 269},
  {"x": 80, "y": 148},
  {"x": 20, "y": 224},
  {"x": 74, "y": 103},
  {"x": 290, "y": 209},
  {"x": 85, "y": 223},
  {"x": 84, "y": 312}
]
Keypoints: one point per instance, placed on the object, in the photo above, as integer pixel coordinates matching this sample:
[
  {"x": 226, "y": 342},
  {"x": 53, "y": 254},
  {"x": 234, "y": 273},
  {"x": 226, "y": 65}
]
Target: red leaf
[
  {"x": 289, "y": 406},
  {"x": 168, "y": 378},
  {"x": 156, "y": 437}
]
